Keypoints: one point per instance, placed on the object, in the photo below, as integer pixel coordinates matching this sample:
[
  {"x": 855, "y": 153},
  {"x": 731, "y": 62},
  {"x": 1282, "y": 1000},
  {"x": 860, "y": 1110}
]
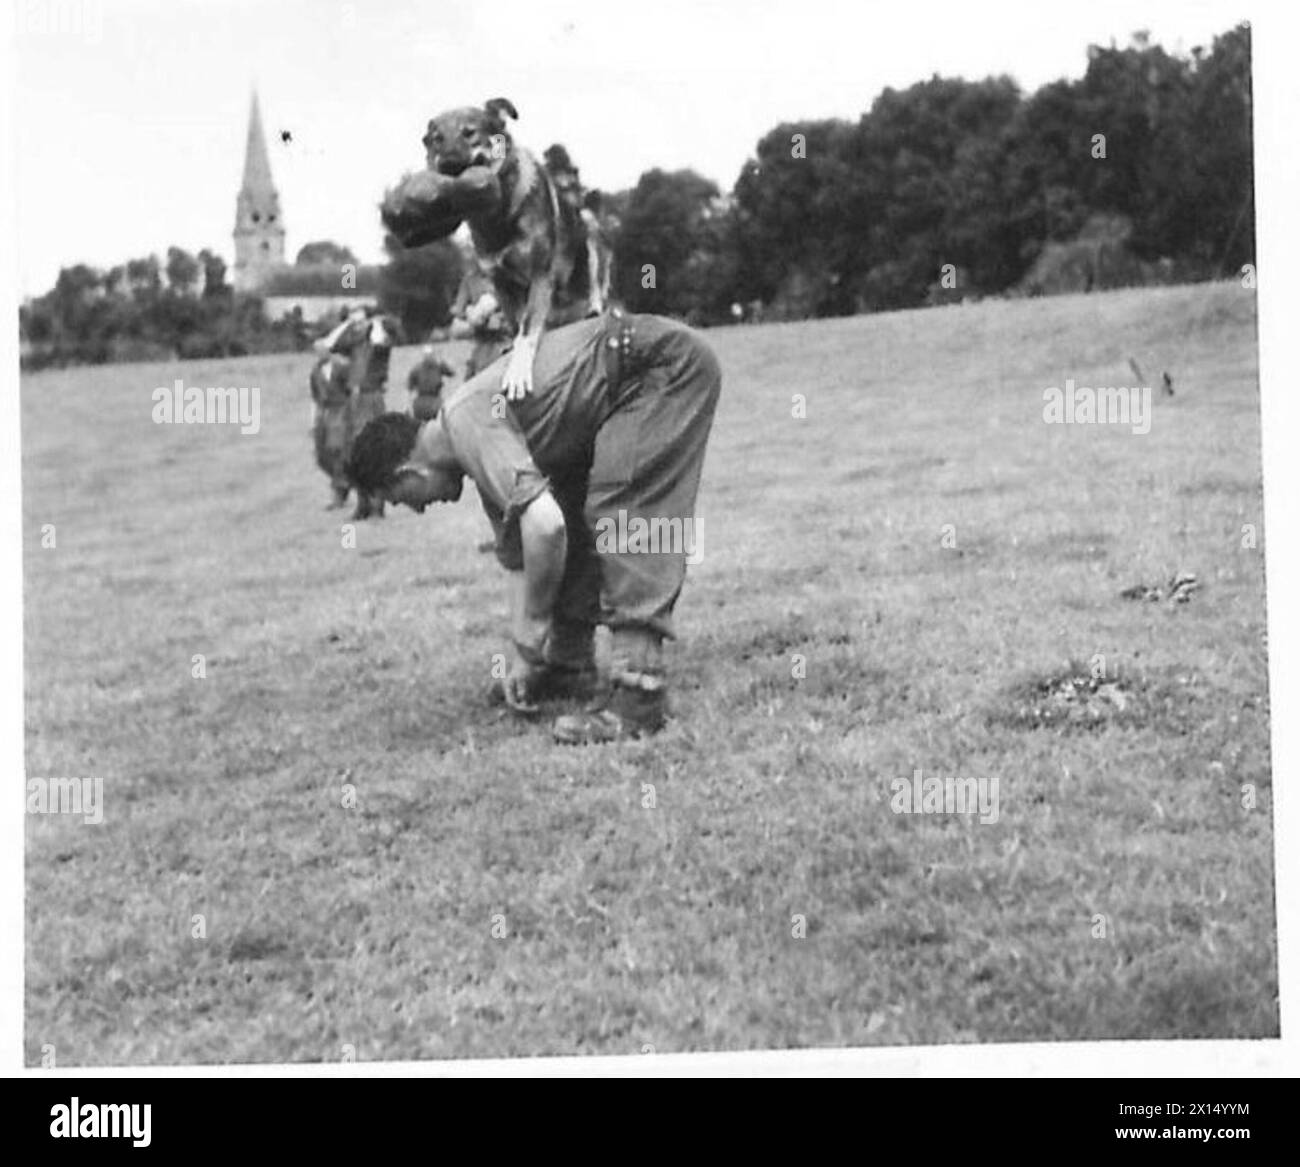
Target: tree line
[{"x": 1138, "y": 172}]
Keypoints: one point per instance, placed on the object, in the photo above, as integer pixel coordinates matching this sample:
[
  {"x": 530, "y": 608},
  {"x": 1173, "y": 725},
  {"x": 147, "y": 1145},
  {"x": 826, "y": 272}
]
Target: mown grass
[{"x": 627, "y": 927}]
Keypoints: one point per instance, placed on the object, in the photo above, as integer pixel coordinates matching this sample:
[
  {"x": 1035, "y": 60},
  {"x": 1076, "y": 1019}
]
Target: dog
[{"x": 533, "y": 244}]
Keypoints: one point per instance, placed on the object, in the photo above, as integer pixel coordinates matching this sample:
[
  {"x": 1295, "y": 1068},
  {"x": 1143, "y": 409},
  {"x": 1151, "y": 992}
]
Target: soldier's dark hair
[{"x": 380, "y": 448}]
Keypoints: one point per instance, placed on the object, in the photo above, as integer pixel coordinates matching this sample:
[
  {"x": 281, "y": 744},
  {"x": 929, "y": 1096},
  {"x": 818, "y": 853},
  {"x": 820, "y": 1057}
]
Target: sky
[{"x": 130, "y": 115}]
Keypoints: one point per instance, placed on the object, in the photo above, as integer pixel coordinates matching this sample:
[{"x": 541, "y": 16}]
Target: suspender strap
[{"x": 617, "y": 343}]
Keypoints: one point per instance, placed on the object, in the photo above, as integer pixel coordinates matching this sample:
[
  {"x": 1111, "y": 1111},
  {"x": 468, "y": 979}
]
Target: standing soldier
[
  {"x": 425, "y": 384},
  {"x": 477, "y": 315},
  {"x": 330, "y": 394},
  {"x": 367, "y": 339},
  {"x": 585, "y": 205}
]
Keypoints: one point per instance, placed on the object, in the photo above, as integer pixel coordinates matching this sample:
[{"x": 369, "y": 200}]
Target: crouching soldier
[
  {"x": 590, "y": 484},
  {"x": 330, "y": 394},
  {"x": 425, "y": 384}
]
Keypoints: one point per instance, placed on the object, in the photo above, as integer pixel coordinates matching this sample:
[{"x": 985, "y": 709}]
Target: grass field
[{"x": 945, "y": 564}]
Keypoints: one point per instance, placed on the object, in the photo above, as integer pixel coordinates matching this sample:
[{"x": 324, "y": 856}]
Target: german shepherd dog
[{"x": 533, "y": 245}]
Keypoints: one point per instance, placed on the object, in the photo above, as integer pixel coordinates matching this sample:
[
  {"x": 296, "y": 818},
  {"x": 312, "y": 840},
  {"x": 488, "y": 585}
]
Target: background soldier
[
  {"x": 425, "y": 384},
  {"x": 367, "y": 339},
  {"x": 477, "y": 315},
  {"x": 329, "y": 391}
]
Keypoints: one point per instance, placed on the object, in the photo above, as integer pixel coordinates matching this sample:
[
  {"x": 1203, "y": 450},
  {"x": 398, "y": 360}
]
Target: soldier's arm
[
  {"x": 333, "y": 342},
  {"x": 533, "y": 591},
  {"x": 461, "y": 302}
]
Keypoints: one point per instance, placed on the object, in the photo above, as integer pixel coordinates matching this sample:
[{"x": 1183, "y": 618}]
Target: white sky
[{"x": 131, "y": 114}]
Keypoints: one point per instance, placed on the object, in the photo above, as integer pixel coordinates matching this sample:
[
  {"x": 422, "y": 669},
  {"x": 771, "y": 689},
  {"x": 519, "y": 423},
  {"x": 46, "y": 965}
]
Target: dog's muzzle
[{"x": 453, "y": 165}]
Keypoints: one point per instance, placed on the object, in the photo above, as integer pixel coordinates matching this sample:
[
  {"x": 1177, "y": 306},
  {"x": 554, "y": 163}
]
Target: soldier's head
[{"x": 405, "y": 461}]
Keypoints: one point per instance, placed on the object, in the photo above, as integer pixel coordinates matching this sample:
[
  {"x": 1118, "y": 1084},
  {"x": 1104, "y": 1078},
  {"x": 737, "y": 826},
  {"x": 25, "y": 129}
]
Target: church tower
[{"x": 259, "y": 230}]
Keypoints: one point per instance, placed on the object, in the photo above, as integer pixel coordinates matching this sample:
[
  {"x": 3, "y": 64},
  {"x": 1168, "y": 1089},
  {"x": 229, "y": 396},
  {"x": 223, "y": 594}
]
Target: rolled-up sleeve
[{"x": 492, "y": 452}]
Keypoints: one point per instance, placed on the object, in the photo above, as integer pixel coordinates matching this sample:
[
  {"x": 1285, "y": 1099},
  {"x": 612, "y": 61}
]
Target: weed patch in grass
[
  {"x": 1075, "y": 700},
  {"x": 1179, "y": 589}
]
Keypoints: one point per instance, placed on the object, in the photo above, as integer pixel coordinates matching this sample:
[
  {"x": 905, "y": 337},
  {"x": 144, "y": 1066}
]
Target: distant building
[
  {"x": 259, "y": 227},
  {"x": 315, "y": 309},
  {"x": 319, "y": 291}
]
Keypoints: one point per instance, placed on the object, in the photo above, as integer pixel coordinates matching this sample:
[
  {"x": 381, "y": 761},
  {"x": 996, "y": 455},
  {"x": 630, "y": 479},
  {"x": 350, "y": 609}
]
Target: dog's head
[{"x": 469, "y": 136}]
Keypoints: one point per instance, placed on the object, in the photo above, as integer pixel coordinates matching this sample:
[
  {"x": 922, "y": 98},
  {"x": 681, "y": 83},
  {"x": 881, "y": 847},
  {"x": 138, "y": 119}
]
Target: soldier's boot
[
  {"x": 636, "y": 705},
  {"x": 369, "y": 506}
]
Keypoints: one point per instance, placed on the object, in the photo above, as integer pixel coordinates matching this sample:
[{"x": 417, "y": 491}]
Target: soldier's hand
[{"x": 518, "y": 686}]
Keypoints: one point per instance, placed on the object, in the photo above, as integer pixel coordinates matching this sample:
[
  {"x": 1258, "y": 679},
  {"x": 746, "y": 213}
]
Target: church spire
[
  {"x": 259, "y": 231},
  {"x": 257, "y": 165}
]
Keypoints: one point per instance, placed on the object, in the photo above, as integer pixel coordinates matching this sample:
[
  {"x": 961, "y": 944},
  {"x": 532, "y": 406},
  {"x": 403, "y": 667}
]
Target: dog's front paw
[{"x": 518, "y": 379}]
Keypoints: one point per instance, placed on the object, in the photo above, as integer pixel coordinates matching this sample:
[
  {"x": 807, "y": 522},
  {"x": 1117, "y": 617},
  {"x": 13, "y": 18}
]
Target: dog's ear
[
  {"x": 499, "y": 105},
  {"x": 428, "y": 135}
]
